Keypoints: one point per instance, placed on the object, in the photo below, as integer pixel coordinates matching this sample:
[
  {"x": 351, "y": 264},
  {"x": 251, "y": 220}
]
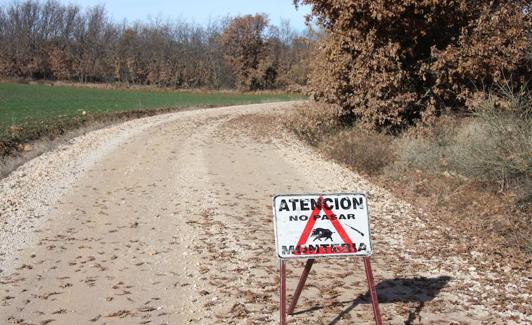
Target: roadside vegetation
[
  {"x": 431, "y": 99},
  {"x": 473, "y": 172}
]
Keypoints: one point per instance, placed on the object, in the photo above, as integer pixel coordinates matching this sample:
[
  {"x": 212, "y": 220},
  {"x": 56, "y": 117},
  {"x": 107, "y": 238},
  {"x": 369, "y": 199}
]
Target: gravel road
[{"x": 167, "y": 220}]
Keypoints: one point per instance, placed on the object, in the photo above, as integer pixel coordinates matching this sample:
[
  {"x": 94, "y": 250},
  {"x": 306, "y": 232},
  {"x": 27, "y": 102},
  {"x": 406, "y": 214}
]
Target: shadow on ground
[{"x": 415, "y": 290}]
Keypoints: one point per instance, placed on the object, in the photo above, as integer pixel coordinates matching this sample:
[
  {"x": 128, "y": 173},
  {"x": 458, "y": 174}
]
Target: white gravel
[{"x": 29, "y": 193}]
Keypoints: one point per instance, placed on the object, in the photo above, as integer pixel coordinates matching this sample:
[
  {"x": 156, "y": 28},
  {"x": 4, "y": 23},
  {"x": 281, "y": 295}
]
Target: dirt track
[{"x": 167, "y": 220}]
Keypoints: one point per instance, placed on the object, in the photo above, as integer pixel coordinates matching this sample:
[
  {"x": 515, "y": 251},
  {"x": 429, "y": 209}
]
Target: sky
[{"x": 198, "y": 11}]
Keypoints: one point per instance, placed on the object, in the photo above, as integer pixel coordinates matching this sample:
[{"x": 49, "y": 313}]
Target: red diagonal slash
[{"x": 310, "y": 225}]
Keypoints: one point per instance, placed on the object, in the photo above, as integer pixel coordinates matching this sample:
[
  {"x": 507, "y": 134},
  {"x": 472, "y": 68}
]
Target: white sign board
[{"x": 314, "y": 225}]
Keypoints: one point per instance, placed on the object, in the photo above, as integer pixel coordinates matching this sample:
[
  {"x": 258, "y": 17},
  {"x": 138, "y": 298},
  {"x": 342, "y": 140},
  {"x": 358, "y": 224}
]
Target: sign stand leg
[
  {"x": 282, "y": 303},
  {"x": 300, "y": 285},
  {"x": 372, "y": 291}
]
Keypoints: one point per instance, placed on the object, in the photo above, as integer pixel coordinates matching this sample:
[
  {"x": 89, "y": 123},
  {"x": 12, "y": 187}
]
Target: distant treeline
[{"x": 52, "y": 41}]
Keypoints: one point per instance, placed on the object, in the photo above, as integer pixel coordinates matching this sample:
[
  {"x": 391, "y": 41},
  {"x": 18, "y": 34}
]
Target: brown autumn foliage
[
  {"x": 46, "y": 39},
  {"x": 246, "y": 51},
  {"x": 392, "y": 63},
  {"x": 262, "y": 56}
]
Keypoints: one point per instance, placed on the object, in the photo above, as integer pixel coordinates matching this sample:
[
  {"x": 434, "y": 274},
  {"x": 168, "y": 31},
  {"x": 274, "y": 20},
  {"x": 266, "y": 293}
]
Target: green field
[
  {"x": 27, "y": 103},
  {"x": 29, "y": 112}
]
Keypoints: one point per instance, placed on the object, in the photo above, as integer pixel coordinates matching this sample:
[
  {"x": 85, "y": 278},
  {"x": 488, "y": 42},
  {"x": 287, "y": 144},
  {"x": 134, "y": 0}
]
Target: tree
[
  {"x": 245, "y": 49},
  {"x": 60, "y": 61},
  {"x": 392, "y": 63}
]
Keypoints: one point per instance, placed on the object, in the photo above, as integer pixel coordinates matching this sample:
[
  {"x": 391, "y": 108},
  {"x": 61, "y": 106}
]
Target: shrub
[
  {"x": 392, "y": 63},
  {"x": 497, "y": 145},
  {"x": 366, "y": 151},
  {"x": 425, "y": 148},
  {"x": 494, "y": 145},
  {"x": 315, "y": 122}
]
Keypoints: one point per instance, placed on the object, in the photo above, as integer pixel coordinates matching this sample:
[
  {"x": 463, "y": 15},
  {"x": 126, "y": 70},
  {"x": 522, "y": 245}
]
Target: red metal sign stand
[
  {"x": 372, "y": 291},
  {"x": 282, "y": 307},
  {"x": 301, "y": 284}
]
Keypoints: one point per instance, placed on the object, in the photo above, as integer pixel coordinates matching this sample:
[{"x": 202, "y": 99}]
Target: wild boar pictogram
[{"x": 321, "y": 233}]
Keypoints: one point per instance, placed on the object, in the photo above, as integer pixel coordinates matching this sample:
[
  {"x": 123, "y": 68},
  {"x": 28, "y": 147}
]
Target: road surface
[{"x": 168, "y": 220}]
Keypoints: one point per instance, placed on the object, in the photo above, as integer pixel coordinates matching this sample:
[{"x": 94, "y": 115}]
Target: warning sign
[{"x": 313, "y": 225}]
